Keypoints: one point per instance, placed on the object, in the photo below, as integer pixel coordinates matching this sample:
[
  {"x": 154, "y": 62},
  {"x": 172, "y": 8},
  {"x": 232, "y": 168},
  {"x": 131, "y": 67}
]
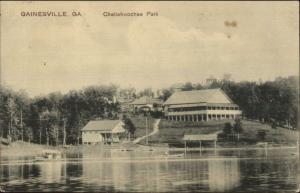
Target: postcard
[{"x": 149, "y": 96}]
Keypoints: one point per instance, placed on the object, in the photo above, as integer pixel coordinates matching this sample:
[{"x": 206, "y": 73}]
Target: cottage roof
[
  {"x": 206, "y": 137},
  {"x": 101, "y": 125},
  {"x": 146, "y": 100},
  {"x": 199, "y": 96}
]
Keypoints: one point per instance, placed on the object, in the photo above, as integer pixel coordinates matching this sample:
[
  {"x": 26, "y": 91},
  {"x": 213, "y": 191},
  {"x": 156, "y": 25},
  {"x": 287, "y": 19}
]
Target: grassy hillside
[
  {"x": 273, "y": 135},
  {"x": 173, "y": 132},
  {"x": 139, "y": 123}
]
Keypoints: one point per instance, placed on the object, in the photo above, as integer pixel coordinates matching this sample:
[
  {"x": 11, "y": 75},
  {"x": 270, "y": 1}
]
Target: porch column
[
  {"x": 184, "y": 148},
  {"x": 197, "y": 118},
  {"x": 200, "y": 146},
  {"x": 215, "y": 147},
  {"x": 201, "y": 117},
  {"x": 193, "y": 118}
]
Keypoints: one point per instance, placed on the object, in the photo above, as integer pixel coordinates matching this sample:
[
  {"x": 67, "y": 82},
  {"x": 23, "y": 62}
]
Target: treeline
[
  {"x": 275, "y": 101},
  {"x": 54, "y": 119},
  {"x": 57, "y": 118}
]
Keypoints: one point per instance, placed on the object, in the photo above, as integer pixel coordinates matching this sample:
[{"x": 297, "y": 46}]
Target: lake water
[{"x": 114, "y": 171}]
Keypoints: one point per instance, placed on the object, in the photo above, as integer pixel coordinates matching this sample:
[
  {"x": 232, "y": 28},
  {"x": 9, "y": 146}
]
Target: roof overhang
[{"x": 204, "y": 137}]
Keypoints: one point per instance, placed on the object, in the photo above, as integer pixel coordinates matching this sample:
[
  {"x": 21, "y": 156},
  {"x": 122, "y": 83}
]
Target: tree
[
  {"x": 226, "y": 77},
  {"x": 166, "y": 93},
  {"x": 238, "y": 127},
  {"x": 147, "y": 92},
  {"x": 129, "y": 126},
  {"x": 28, "y": 134},
  {"x": 128, "y": 93},
  {"x": 227, "y": 128},
  {"x": 187, "y": 86},
  {"x": 261, "y": 135},
  {"x": 198, "y": 86}
]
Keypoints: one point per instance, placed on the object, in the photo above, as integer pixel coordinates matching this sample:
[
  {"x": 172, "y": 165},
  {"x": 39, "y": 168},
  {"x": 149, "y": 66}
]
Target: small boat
[
  {"x": 49, "y": 154},
  {"x": 174, "y": 155}
]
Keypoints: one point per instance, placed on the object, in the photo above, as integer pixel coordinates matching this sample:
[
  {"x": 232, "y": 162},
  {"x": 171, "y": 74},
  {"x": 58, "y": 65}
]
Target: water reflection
[
  {"x": 52, "y": 171},
  {"x": 213, "y": 175},
  {"x": 129, "y": 171},
  {"x": 223, "y": 175}
]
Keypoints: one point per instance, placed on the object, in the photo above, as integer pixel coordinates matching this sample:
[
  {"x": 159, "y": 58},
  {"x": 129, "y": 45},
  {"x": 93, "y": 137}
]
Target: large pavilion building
[{"x": 200, "y": 105}]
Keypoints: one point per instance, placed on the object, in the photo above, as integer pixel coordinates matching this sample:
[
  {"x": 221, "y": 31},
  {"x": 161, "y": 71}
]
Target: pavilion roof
[{"x": 199, "y": 96}]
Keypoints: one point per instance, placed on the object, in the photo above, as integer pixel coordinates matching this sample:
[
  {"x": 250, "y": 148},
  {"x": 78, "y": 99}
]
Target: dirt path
[{"x": 155, "y": 130}]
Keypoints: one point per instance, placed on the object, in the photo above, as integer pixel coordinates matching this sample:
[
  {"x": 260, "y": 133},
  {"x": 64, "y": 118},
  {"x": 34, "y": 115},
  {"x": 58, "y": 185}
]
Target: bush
[
  {"x": 261, "y": 135},
  {"x": 227, "y": 128},
  {"x": 273, "y": 125},
  {"x": 156, "y": 114},
  {"x": 238, "y": 126}
]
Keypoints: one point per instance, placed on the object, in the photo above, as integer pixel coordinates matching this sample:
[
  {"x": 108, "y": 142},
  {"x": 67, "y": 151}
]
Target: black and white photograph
[{"x": 149, "y": 96}]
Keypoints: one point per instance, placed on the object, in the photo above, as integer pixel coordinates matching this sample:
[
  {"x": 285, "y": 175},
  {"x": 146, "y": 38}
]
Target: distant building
[
  {"x": 124, "y": 104},
  {"x": 101, "y": 131},
  {"x": 200, "y": 105},
  {"x": 210, "y": 80},
  {"x": 146, "y": 103}
]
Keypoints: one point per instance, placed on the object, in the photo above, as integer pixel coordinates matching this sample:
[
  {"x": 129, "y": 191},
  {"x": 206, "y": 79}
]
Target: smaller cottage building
[
  {"x": 146, "y": 103},
  {"x": 102, "y": 131}
]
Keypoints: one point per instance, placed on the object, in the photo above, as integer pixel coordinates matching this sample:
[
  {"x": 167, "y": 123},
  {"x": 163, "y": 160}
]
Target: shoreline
[{"x": 35, "y": 149}]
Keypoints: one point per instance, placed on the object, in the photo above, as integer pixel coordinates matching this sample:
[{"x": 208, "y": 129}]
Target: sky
[{"x": 186, "y": 42}]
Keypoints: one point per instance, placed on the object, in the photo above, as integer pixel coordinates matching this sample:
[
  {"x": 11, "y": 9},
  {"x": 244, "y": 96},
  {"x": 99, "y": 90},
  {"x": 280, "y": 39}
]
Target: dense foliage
[
  {"x": 272, "y": 101},
  {"x": 57, "y": 118}
]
